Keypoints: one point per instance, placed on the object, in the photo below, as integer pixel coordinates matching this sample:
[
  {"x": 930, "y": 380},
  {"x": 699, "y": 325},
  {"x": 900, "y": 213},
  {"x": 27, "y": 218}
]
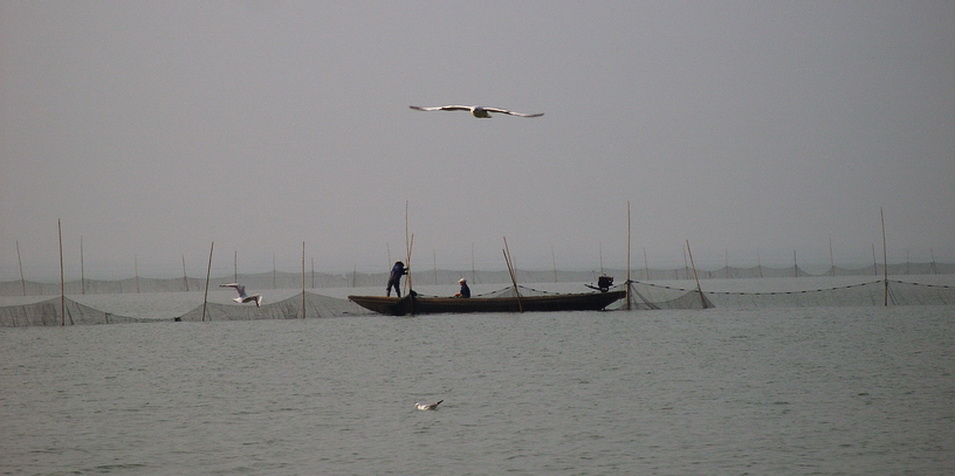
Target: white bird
[
  {"x": 481, "y": 112},
  {"x": 427, "y": 406},
  {"x": 243, "y": 297}
]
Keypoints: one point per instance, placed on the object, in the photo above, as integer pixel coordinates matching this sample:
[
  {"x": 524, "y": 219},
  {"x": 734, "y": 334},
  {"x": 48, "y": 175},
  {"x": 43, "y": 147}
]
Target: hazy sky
[{"x": 155, "y": 128}]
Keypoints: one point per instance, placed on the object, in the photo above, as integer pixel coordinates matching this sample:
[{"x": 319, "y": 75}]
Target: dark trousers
[{"x": 394, "y": 283}]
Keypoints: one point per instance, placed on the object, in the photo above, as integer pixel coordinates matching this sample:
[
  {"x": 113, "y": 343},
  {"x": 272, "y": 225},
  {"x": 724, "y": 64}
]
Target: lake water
[{"x": 837, "y": 390}]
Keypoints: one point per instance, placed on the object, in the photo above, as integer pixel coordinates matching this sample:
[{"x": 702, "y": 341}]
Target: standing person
[
  {"x": 394, "y": 280},
  {"x": 465, "y": 290}
]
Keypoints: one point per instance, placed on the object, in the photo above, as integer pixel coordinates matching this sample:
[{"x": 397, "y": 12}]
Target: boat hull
[{"x": 438, "y": 305}]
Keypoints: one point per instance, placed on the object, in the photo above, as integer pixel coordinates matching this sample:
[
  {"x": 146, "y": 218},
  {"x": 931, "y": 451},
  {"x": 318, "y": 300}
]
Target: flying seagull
[
  {"x": 243, "y": 297},
  {"x": 427, "y": 406},
  {"x": 482, "y": 112}
]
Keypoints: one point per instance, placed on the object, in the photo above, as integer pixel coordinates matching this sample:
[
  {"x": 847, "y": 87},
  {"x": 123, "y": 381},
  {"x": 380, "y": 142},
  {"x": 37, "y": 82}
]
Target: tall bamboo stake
[
  {"x": 686, "y": 266},
  {"x": 235, "y": 267},
  {"x": 23, "y": 282},
  {"x": 885, "y": 260},
  {"x": 205, "y": 297},
  {"x": 136, "y": 271},
  {"x": 628, "y": 254},
  {"x": 408, "y": 286},
  {"x": 409, "y": 243},
  {"x": 59, "y": 232},
  {"x": 510, "y": 269},
  {"x": 82, "y": 269},
  {"x": 832, "y": 261},
  {"x": 185, "y": 278},
  {"x": 699, "y": 288},
  {"x": 303, "y": 278},
  {"x": 553, "y": 259},
  {"x": 795, "y": 266}
]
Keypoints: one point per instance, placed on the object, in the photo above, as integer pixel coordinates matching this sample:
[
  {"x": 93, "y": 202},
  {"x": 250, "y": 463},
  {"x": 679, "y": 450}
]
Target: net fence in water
[
  {"x": 314, "y": 305},
  {"x": 643, "y": 296},
  {"x": 53, "y": 312}
]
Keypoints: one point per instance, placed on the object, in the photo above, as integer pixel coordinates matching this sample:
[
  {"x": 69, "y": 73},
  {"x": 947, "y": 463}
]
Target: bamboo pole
[
  {"x": 885, "y": 260},
  {"x": 205, "y": 297},
  {"x": 510, "y": 269},
  {"x": 235, "y": 267},
  {"x": 409, "y": 288},
  {"x": 408, "y": 264},
  {"x": 686, "y": 266},
  {"x": 303, "y": 277},
  {"x": 832, "y": 261},
  {"x": 553, "y": 259},
  {"x": 23, "y": 282},
  {"x": 82, "y": 269},
  {"x": 59, "y": 232},
  {"x": 795, "y": 266},
  {"x": 629, "y": 237},
  {"x": 409, "y": 244},
  {"x": 136, "y": 271},
  {"x": 185, "y": 278},
  {"x": 699, "y": 288}
]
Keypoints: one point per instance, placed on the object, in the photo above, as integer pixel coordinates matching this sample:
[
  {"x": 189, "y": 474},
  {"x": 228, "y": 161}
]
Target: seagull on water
[
  {"x": 243, "y": 297},
  {"x": 481, "y": 112},
  {"x": 427, "y": 406}
]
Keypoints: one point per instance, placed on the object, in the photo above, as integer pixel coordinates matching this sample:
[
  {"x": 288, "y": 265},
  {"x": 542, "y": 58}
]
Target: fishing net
[
  {"x": 314, "y": 305},
  {"x": 54, "y": 312},
  {"x": 645, "y": 295}
]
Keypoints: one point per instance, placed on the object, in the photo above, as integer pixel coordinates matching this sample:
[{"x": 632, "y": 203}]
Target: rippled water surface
[{"x": 779, "y": 391}]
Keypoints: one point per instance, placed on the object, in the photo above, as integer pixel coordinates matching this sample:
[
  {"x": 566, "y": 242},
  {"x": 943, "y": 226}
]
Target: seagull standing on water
[
  {"x": 243, "y": 297},
  {"x": 427, "y": 406},
  {"x": 481, "y": 112}
]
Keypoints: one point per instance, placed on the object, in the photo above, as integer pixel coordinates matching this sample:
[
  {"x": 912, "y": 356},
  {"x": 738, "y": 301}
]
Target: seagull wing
[
  {"x": 449, "y": 107},
  {"x": 238, "y": 288},
  {"x": 511, "y": 113}
]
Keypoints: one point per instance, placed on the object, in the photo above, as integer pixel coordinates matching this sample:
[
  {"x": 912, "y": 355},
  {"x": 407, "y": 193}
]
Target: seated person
[{"x": 465, "y": 291}]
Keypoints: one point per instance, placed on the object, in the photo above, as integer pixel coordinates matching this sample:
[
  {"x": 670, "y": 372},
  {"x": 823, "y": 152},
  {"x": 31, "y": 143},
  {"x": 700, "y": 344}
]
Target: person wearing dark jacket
[
  {"x": 394, "y": 280},
  {"x": 465, "y": 290}
]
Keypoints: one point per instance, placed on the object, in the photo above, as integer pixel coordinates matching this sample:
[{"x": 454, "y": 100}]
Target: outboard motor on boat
[{"x": 604, "y": 283}]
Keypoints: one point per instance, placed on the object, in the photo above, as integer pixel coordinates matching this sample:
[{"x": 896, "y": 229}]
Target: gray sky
[{"x": 154, "y": 128}]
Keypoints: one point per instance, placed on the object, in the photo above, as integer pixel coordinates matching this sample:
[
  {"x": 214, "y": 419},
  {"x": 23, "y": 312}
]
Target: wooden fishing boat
[{"x": 417, "y": 304}]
